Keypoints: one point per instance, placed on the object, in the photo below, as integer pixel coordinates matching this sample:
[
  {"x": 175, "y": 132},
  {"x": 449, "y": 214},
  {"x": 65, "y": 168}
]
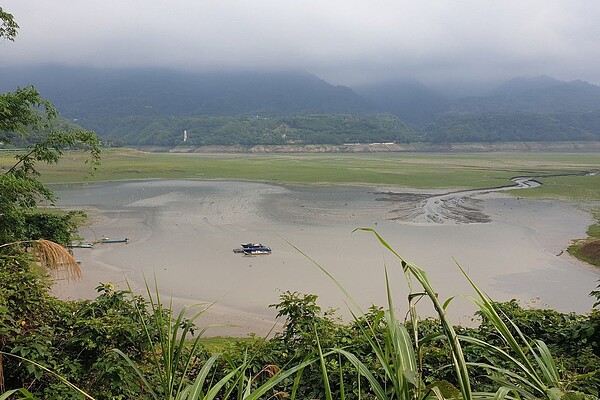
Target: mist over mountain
[
  {"x": 85, "y": 92},
  {"x": 153, "y": 106},
  {"x": 409, "y": 99},
  {"x": 540, "y": 95}
]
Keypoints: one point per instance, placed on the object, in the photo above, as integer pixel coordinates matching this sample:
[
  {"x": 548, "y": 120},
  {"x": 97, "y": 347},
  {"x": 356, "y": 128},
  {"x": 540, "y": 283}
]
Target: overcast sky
[{"x": 343, "y": 41}]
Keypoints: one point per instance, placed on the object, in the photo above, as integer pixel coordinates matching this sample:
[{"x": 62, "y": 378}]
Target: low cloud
[{"x": 345, "y": 42}]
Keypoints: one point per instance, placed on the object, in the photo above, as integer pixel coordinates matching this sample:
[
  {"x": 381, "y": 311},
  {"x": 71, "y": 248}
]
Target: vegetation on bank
[
  {"x": 447, "y": 171},
  {"x": 588, "y": 249}
]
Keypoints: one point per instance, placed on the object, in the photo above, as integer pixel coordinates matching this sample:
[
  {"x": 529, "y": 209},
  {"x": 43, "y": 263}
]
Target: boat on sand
[
  {"x": 109, "y": 240},
  {"x": 81, "y": 245},
  {"x": 251, "y": 249}
]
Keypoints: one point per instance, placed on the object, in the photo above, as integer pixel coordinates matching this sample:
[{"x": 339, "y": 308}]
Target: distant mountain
[
  {"x": 522, "y": 85},
  {"x": 523, "y": 109},
  {"x": 539, "y": 95},
  {"x": 91, "y": 93},
  {"x": 408, "y": 99},
  {"x": 154, "y": 106}
]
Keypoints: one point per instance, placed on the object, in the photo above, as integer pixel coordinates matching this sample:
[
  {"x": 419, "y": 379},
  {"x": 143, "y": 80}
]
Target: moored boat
[
  {"x": 82, "y": 245},
  {"x": 253, "y": 249},
  {"x": 118, "y": 240}
]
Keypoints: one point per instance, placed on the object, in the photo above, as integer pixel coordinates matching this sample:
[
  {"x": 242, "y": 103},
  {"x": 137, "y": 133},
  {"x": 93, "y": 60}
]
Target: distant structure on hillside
[{"x": 184, "y": 136}]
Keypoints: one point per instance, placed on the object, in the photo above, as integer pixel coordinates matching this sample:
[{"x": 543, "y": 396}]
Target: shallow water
[{"x": 183, "y": 232}]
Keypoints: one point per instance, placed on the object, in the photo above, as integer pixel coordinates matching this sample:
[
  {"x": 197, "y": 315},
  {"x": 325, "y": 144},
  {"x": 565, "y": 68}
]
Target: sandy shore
[{"x": 183, "y": 232}]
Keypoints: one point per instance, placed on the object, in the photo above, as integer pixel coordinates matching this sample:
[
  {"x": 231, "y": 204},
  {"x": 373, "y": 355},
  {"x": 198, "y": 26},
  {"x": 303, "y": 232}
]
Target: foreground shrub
[{"x": 72, "y": 338}]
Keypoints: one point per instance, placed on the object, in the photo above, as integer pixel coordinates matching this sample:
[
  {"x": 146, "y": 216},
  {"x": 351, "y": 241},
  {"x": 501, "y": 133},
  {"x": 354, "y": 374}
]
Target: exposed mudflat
[
  {"x": 183, "y": 232},
  {"x": 461, "y": 207}
]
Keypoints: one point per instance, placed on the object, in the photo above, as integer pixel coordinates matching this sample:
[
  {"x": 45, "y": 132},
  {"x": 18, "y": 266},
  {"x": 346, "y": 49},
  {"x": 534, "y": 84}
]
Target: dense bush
[
  {"x": 72, "y": 338},
  {"x": 573, "y": 340}
]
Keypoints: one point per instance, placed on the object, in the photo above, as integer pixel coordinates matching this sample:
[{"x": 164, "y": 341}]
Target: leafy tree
[
  {"x": 8, "y": 26},
  {"x": 22, "y": 113},
  {"x": 27, "y": 312},
  {"x": 596, "y": 294}
]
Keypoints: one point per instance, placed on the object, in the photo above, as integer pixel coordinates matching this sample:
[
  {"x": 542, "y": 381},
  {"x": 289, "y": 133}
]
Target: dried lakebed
[{"x": 183, "y": 232}]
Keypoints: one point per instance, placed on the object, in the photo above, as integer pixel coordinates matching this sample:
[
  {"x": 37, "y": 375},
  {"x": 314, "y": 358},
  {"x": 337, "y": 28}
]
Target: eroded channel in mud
[{"x": 457, "y": 207}]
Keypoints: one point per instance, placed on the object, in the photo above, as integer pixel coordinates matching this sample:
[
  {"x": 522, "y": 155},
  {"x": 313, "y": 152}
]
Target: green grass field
[{"x": 409, "y": 170}]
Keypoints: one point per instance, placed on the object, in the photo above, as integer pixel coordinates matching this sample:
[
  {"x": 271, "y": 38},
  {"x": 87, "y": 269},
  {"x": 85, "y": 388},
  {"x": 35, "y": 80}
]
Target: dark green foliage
[
  {"x": 513, "y": 126},
  {"x": 73, "y": 339},
  {"x": 249, "y": 130},
  {"x": 596, "y": 294},
  {"x": 26, "y": 114},
  {"x": 19, "y": 111},
  {"x": 304, "y": 323},
  {"x": 18, "y": 195},
  {"x": 20, "y": 222},
  {"x": 8, "y": 26},
  {"x": 339, "y": 129},
  {"x": 59, "y": 228},
  {"x": 573, "y": 340}
]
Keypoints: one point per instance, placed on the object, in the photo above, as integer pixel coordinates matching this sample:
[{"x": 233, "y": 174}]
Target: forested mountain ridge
[
  {"x": 538, "y": 95},
  {"x": 523, "y": 109},
  {"x": 205, "y": 130},
  {"x": 408, "y": 99},
  {"x": 91, "y": 93},
  {"x": 155, "y": 106}
]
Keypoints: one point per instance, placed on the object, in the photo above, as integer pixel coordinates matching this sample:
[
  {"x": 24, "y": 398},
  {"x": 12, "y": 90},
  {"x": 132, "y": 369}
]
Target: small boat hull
[
  {"x": 257, "y": 253},
  {"x": 82, "y": 246},
  {"x": 121, "y": 240}
]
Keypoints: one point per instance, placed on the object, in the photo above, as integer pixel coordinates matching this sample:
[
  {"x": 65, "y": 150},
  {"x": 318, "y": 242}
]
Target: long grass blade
[
  {"x": 364, "y": 371},
  {"x": 214, "y": 390},
  {"x": 460, "y": 366},
  {"x": 137, "y": 371},
  {"x": 546, "y": 363},
  {"x": 488, "y": 309},
  {"x": 22, "y": 392},
  {"x": 48, "y": 370},
  {"x": 195, "y": 389},
  {"x": 328, "y": 395},
  {"x": 276, "y": 379}
]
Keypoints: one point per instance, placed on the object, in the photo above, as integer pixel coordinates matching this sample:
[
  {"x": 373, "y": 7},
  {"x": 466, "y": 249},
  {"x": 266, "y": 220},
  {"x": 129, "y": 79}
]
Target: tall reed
[
  {"x": 174, "y": 357},
  {"x": 398, "y": 356},
  {"x": 534, "y": 374}
]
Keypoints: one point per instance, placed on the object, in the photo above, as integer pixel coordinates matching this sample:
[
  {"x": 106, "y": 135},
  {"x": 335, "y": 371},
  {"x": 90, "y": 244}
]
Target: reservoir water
[{"x": 183, "y": 231}]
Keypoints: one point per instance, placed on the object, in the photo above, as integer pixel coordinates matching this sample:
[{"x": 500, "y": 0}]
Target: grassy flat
[{"x": 406, "y": 170}]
